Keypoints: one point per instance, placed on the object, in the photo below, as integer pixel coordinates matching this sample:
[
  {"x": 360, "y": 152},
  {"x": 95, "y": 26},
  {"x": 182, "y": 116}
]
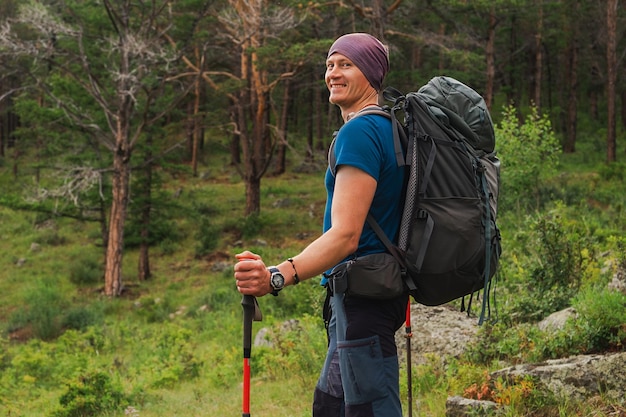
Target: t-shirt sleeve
[{"x": 357, "y": 145}]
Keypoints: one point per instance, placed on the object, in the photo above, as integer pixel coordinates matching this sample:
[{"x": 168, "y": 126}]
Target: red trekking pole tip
[{"x": 246, "y": 388}]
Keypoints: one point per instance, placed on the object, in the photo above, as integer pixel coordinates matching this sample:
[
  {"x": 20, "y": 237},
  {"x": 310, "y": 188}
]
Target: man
[{"x": 360, "y": 374}]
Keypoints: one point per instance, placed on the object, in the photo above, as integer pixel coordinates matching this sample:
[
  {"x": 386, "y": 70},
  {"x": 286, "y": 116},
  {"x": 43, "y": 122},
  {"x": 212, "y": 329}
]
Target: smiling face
[{"x": 348, "y": 87}]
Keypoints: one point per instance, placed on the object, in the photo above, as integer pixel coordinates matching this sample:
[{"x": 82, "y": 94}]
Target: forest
[{"x": 143, "y": 142}]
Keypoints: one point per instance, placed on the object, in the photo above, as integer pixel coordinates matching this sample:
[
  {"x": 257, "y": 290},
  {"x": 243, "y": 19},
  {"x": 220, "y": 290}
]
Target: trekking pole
[
  {"x": 251, "y": 312},
  {"x": 408, "y": 336}
]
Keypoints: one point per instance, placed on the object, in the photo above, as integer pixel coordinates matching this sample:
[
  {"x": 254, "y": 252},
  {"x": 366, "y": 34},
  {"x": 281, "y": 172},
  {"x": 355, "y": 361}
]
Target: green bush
[
  {"x": 298, "y": 347},
  {"x": 154, "y": 310},
  {"x": 51, "y": 237},
  {"x": 602, "y": 319},
  {"x": 207, "y": 235},
  {"x": 4, "y": 354},
  {"x": 81, "y": 317},
  {"x": 617, "y": 244},
  {"x": 174, "y": 358},
  {"x": 599, "y": 327},
  {"x": 86, "y": 270},
  {"x": 529, "y": 153},
  {"x": 224, "y": 295},
  {"x": 502, "y": 342},
  {"x": 614, "y": 172},
  {"x": 168, "y": 246},
  {"x": 91, "y": 395},
  {"x": 252, "y": 225},
  {"x": 43, "y": 311},
  {"x": 559, "y": 257},
  {"x": 556, "y": 251},
  {"x": 160, "y": 229},
  {"x": 163, "y": 210}
]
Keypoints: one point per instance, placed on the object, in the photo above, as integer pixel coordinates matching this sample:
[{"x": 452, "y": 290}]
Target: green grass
[{"x": 172, "y": 344}]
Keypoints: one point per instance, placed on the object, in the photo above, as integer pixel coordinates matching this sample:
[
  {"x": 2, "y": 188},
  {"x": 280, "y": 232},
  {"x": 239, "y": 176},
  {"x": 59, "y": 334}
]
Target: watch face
[{"x": 278, "y": 281}]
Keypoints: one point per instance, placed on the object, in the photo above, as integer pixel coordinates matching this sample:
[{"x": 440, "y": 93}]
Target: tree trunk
[
  {"x": 490, "y": 57},
  {"x": 310, "y": 123},
  {"x": 143, "y": 272},
  {"x": 442, "y": 34},
  {"x": 593, "y": 105},
  {"x": 538, "y": 57},
  {"x": 623, "y": 96},
  {"x": 611, "y": 58},
  {"x": 378, "y": 19},
  {"x": 281, "y": 156},
  {"x": 235, "y": 141},
  {"x": 121, "y": 176},
  {"x": 256, "y": 143},
  {"x": 104, "y": 230},
  {"x": 253, "y": 195},
  {"x": 3, "y": 120},
  {"x": 117, "y": 220},
  {"x": 572, "y": 99},
  {"x": 319, "y": 126},
  {"x": 196, "y": 128},
  {"x": 195, "y": 118},
  {"x": 513, "y": 94},
  {"x": 189, "y": 128},
  {"x": 13, "y": 123},
  {"x": 143, "y": 266},
  {"x": 2, "y": 131}
]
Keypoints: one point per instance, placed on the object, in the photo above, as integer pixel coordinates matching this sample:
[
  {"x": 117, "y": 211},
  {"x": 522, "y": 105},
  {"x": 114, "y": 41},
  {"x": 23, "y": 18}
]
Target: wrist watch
[{"x": 277, "y": 280}]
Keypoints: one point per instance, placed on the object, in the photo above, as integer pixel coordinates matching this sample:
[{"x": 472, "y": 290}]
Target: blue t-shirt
[{"x": 366, "y": 142}]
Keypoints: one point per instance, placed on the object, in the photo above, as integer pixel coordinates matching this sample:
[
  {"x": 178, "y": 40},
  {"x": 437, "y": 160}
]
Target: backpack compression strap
[{"x": 487, "y": 221}]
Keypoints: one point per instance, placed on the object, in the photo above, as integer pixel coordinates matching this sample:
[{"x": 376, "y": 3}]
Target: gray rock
[
  {"x": 267, "y": 337},
  {"x": 444, "y": 331},
  {"x": 262, "y": 338},
  {"x": 463, "y": 407},
  {"x": 577, "y": 377},
  {"x": 221, "y": 266},
  {"x": 281, "y": 203},
  {"x": 556, "y": 321},
  {"x": 618, "y": 283}
]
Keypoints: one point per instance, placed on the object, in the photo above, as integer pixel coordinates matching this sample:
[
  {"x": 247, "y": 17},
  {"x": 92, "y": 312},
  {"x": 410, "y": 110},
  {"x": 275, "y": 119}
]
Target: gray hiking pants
[{"x": 360, "y": 377}]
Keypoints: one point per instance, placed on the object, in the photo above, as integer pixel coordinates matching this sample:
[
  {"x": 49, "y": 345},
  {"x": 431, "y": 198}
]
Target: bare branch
[
  {"x": 247, "y": 17},
  {"x": 76, "y": 181}
]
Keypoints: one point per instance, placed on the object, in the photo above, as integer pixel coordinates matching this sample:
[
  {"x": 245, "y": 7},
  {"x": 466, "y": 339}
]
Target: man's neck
[{"x": 371, "y": 100}]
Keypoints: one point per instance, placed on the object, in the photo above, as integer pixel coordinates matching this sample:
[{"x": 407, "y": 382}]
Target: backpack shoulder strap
[
  {"x": 399, "y": 136},
  {"x": 400, "y": 143},
  {"x": 394, "y": 250}
]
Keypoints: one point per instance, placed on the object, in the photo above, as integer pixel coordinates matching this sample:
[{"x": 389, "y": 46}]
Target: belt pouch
[{"x": 376, "y": 276}]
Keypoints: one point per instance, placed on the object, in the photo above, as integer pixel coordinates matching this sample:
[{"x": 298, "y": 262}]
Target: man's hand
[{"x": 251, "y": 275}]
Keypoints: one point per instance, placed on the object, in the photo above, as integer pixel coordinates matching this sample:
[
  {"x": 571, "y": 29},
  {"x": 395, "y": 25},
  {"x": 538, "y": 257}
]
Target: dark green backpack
[{"x": 449, "y": 243}]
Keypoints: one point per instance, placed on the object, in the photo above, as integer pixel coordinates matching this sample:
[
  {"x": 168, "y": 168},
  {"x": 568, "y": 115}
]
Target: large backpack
[{"x": 449, "y": 243}]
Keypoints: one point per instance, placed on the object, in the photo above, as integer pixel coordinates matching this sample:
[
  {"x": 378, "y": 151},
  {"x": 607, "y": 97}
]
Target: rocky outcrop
[
  {"x": 462, "y": 407},
  {"x": 556, "y": 321},
  {"x": 444, "y": 331},
  {"x": 618, "y": 283},
  {"x": 577, "y": 377}
]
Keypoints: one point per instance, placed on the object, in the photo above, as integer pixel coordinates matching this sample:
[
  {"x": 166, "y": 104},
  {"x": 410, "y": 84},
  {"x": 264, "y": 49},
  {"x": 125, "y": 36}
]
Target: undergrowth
[{"x": 171, "y": 345}]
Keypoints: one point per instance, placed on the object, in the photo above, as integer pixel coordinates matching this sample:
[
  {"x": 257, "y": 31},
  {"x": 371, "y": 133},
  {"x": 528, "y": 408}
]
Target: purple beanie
[{"x": 367, "y": 53}]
